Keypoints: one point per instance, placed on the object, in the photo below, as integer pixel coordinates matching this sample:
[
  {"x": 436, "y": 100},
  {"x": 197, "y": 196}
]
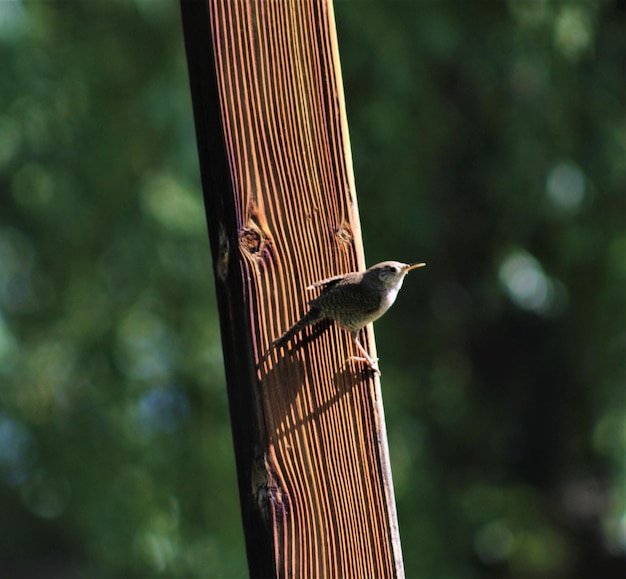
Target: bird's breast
[{"x": 388, "y": 299}]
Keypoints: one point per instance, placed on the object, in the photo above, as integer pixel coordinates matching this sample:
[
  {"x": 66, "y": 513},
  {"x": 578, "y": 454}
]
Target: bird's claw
[{"x": 371, "y": 362}]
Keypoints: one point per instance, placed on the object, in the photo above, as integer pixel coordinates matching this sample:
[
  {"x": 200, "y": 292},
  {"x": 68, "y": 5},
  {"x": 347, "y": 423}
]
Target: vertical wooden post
[{"x": 308, "y": 425}]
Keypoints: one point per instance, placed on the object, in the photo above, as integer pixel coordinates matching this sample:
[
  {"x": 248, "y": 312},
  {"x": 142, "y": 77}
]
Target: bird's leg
[{"x": 372, "y": 362}]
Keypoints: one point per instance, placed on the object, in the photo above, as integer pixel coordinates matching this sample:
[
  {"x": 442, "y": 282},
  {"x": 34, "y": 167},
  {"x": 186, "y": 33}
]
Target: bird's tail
[{"x": 312, "y": 316}]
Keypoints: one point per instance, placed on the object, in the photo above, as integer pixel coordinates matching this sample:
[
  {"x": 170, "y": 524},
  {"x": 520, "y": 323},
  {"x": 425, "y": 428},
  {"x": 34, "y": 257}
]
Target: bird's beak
[{"x": 410, "y": 266}]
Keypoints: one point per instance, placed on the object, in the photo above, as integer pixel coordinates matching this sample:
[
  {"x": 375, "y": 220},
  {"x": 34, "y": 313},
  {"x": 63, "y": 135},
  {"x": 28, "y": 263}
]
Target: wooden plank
[{"x": 308, "y": 425}]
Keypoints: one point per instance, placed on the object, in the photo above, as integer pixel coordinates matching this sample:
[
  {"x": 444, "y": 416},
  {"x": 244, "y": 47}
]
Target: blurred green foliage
[{"x": 489, "y": 140}]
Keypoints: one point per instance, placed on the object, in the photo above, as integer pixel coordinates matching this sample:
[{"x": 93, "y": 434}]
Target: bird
[{"x": 354, "y": 300}]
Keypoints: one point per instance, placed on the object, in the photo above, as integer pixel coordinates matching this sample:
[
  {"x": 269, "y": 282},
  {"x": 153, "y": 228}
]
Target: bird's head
[{"x": 391, "y": 273}]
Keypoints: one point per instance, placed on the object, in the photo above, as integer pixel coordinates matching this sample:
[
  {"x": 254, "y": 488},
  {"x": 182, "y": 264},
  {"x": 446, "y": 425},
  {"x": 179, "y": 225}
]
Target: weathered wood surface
[{"x": 315, "y": 482}]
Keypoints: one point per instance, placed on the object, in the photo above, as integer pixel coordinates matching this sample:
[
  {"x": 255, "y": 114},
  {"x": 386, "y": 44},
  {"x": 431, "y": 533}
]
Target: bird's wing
[
  {"x": 327, "y": 283},
  {"x": 350, "y": 299}
]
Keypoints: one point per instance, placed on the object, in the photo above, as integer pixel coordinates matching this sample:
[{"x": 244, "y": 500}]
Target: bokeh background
[{"x": 489, "y": 140}]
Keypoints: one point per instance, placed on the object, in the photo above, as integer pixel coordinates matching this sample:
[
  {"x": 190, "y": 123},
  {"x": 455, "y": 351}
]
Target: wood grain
[{"x": 308, "y": 424}]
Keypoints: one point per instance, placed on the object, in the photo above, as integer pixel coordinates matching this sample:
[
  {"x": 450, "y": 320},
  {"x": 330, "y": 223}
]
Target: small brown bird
[{"x": 354, "y": 300}]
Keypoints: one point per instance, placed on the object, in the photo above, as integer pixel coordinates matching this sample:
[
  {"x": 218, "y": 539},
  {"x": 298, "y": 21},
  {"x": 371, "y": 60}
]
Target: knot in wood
[
  {"x": 344, "y": 233},
  {"x": 250, "y": 241}
]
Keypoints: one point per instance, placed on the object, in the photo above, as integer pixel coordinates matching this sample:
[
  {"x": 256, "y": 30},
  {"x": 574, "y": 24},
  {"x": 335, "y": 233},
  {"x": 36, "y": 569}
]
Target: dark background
[{"x": 489, "y": 140}]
